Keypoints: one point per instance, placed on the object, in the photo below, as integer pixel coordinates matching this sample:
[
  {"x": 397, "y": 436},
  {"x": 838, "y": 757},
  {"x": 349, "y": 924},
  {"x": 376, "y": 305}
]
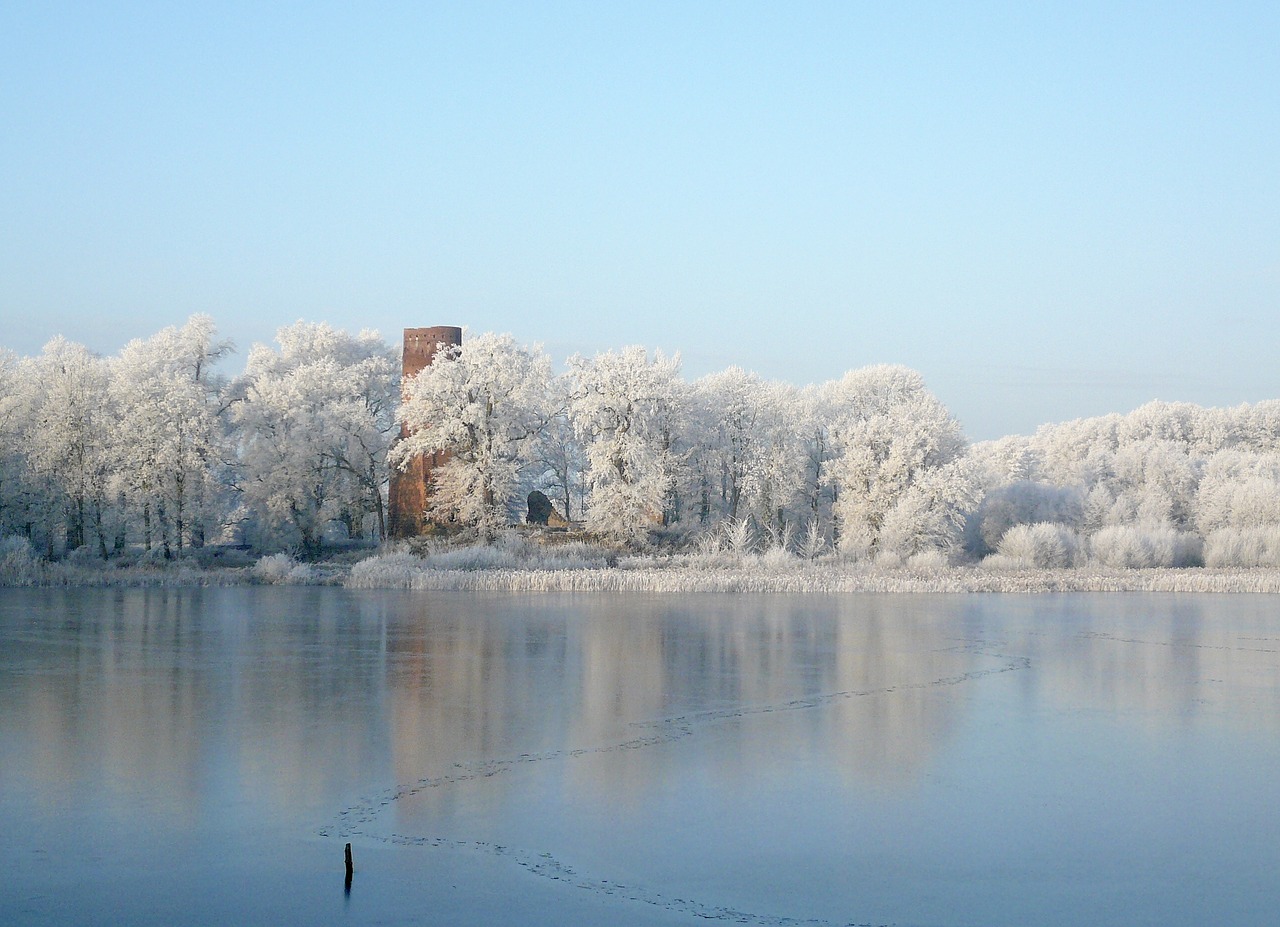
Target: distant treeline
[{"x": 151, "y": 453}]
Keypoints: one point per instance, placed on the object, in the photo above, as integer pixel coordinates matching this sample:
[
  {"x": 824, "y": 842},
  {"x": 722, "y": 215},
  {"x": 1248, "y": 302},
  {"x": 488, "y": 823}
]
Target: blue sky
[{"x": 1049, "y": 210}]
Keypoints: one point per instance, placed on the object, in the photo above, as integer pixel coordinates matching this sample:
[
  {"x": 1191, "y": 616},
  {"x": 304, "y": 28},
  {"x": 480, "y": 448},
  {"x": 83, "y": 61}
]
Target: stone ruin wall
[{"x": 411, "y": 487}]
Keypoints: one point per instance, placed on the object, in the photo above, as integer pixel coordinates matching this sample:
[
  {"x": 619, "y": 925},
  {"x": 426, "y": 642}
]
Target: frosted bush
[
  {"x": 1001, "y": 562},
  {"x": 710, "y": 553},
  {"x": 84, "y": 556},
  {"x": 889, "y": 560},
  {"x": 708, "y": 544},
  {"x": 857, "y": 542},
  {"x": 776, "y": 557},
  {"x": 739, "y": 536},
  {"x": 152, "y": 557},
  {"x": 785, "y": 539},
  {"x": 572, "y": 555},
  {"x": 1021, "y": 503},
  {"x": 19, "y": 565},
  {"x": 812, "y": 543},
  {"x": 927, "y": 561},
  {"x": 280, "y": 569},
  {"x": 1044, "y": 545},
  {"x": 391, "y": 569},
  {"x": 1257, "y": 546},
  {"x": 301, "y": 575},
  {"x": 1128, "y": 547}
]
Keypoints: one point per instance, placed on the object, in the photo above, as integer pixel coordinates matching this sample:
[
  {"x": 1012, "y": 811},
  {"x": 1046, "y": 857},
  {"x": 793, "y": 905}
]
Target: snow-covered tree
[
  {"x": 749, "y": 447},
  {"x": 560, "y": 463},
  {"x": 1239, "y": 489},
  {"x": 776, "y": 482},
  {"x": 168, "y": 458},
  {"x": 1154, "y": 480},
  {"x": 903, "y": 485},
  {"x": 484, "y": 403},
  {"x": 814, "y": 414},
  {"x": 630, "y": 410},
  {"x": 313, "y": 423},
  {"x": 1003, "y": 461},
  {"x": 68, "y": 441},
  {"x": 14, "y": 415},
  {"x": 366, "y": 417}
]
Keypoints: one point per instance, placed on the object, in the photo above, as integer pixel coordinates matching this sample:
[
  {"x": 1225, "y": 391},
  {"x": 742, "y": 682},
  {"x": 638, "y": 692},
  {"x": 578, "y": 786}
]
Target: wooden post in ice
[{"x": 349, "y": 867}]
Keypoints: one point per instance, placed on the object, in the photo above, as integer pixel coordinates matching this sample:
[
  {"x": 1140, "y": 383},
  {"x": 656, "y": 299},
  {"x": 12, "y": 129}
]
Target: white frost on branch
[
  {"x": 630, "y": 412},
  {"x": 484, "y": 403}
]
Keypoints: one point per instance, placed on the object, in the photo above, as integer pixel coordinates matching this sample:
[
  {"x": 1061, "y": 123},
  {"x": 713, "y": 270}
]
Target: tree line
[{"x": 154, "y": 451}]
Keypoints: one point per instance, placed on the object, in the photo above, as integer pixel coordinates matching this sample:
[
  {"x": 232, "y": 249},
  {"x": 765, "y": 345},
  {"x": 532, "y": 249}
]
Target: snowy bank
[
  {"x": 581, "y": 568},
  {"x": 401, "y": 571}
]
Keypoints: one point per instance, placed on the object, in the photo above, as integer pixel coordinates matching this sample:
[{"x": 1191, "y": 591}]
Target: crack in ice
[{"x": 352, "y": 821}]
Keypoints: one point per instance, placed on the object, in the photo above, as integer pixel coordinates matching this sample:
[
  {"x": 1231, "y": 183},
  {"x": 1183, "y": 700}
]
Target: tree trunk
[
  {"x": 121, "y": 526},
  {"x": 75, "y": 529},
  {"x": 99, "y": 530},
  {"x": 164, "y": 531},
  {"x": 375, "y": 487},
  {"x": 180, "y": 521}
]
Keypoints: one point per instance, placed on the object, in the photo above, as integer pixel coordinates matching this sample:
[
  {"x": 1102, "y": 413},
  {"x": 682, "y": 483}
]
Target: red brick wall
[{"x": 410, "y": 487}]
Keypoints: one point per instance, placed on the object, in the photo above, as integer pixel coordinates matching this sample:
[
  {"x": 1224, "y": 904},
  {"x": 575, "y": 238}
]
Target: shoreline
[
  {"x": 800, "y": 578},
  {"x": 824, "y": 580}
]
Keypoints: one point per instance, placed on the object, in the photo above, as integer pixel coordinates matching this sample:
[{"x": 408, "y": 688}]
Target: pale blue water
[{"x": 202, "y": 757}]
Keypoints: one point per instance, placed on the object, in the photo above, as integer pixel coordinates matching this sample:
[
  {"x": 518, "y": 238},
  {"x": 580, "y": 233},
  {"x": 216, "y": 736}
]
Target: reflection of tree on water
[
  {"x": 1161, "y": 660},
  {"x": 187, "y": 699},
  {"x": 591, "y": 672},
  {"x": 182, "y": 702}
]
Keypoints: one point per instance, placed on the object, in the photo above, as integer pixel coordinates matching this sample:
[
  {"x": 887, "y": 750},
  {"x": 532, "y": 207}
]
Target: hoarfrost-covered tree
[
  {"x": 313, "y": 422},
  {"x": 728, "y": 405},
  {"x": 775, "y": 481},
  {"x": 1078, "y": 453},
  {"x": 69, "y": 438},
  {"x": 367, "y": 426},
  {"x": 14, "y": 402},
  {"x": 630, "y": 413},
  {"x": 1239, "y": 489},
  {"x": 903, "y": 485},
  {"x": 813, "y": 420},
  {"x": 484, "y": 402},
  {"x": 1004, "y": 461},
  {"x": 558, "y": 456},
  {"x": 169, "y": 454},
  {"x": 749, "y": 447},
  {"x": 1154, "y": 480}
]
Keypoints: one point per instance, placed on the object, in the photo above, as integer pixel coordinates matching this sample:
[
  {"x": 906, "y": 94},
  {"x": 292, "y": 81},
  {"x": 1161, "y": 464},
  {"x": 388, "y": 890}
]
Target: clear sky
[{"x": 1049, "y": 210}]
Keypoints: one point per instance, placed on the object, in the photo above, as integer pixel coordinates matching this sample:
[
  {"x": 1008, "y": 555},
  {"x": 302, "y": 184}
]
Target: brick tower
[{"x": 410, "y": 487}]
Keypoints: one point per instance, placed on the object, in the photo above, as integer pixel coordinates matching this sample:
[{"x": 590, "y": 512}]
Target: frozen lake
[{"x": 202, "y": 756}]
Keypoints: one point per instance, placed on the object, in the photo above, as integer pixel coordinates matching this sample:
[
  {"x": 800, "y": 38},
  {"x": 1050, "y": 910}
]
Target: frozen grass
[
  {"x": 20, "y": 566},
  {"x": 513, "y": 554},
  {"x": 702, "y": 573},
  {"x": 173, "y": 574},
  {"x": 522, "y": 565}
]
